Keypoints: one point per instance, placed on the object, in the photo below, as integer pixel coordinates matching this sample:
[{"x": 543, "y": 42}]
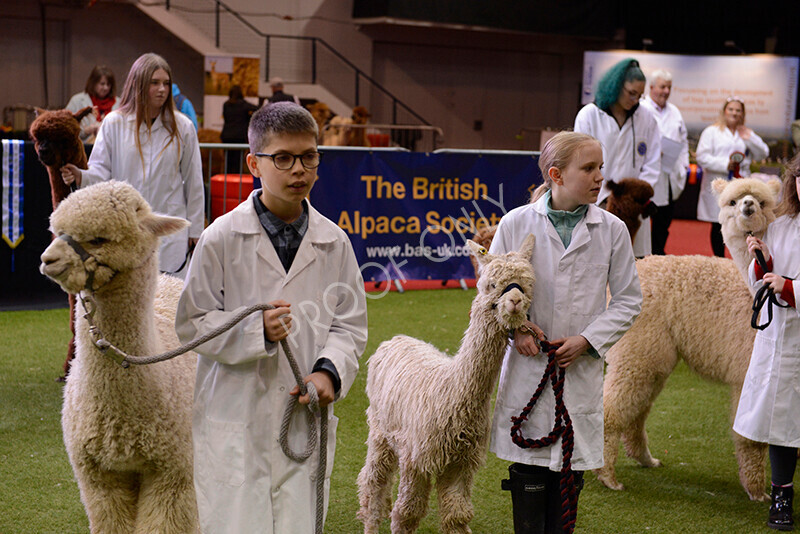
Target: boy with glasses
[{"x": 273, "y": 248}]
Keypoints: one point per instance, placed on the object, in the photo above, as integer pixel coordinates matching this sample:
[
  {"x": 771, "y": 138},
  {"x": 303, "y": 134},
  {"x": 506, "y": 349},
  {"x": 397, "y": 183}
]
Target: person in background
[
  {"x": 628, "y": 133},
  {"x": 236, "y": 113},
  {"x": 153, "y": 148},
  {"x": 184, "y": 105},
  {"x": 99, "y": 94},
  {"x": 720, "y": 145},
  {"x": 673, "y": 177},
  {"x": 276, "y": 85}
]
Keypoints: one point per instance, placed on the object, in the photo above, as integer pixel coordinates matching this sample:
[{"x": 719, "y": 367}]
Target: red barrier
[{"x": 228, "y": 191}]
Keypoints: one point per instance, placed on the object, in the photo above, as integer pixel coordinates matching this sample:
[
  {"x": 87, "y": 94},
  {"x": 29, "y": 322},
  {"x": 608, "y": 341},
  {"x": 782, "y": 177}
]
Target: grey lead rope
[{"x": 125, "y": 360}]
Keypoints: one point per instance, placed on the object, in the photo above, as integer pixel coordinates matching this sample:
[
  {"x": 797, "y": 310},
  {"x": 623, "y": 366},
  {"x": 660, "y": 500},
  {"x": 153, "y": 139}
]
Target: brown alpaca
[
  {"x": 358, "y": 136},
  {"x": 56, "y": 138},
  {"x": 321, "y": 113},
  {"x": 630, "y": 199}
]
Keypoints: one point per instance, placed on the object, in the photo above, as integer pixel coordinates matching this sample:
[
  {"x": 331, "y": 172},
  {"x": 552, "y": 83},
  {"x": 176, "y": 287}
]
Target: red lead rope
[{"x": 562, "y": 429}]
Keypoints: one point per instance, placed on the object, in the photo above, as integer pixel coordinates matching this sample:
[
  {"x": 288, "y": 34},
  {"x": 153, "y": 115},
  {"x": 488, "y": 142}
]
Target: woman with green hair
[{"x": 628, "y": 133}]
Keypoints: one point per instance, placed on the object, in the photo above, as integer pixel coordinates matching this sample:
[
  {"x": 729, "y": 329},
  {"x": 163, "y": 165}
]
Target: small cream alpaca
[
  {"x": 696, "y": 308},
  {"x": 429, "y": 412},
  {"x": 127, "y": 431}
]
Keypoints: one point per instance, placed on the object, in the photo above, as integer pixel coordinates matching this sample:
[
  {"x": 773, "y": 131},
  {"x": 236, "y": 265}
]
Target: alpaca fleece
[
  {"x": 630, "y": 201},
  {"x": 56, "y": 139},
  {"x": 429, "y": 413},
  {"x": 127, "y": 431},
  {"x": 696, "y": 308}
]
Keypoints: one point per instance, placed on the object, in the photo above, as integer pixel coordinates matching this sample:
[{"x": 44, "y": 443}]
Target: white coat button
[{"x": 282, "y": 388}]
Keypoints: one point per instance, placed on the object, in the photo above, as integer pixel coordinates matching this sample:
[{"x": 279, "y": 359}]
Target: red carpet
[{"x": 690, "y": 237}]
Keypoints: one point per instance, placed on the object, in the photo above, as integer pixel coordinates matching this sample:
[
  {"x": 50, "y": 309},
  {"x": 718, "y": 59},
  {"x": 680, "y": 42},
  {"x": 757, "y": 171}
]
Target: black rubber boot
[
  {"x": 528, "y": 486},
  {"x": 554, "y": 524},
  {"x": 780, "y": 513}
]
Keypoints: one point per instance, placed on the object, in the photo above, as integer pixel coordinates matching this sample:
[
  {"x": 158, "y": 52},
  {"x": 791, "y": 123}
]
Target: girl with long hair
[
  {"x": 150, "y": 145},
  {"x": 100, "y": 95}
]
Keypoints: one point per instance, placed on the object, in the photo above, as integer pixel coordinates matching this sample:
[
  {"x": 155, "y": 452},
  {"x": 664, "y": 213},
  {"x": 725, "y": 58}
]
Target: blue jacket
[{"x": 183, "y": 104}]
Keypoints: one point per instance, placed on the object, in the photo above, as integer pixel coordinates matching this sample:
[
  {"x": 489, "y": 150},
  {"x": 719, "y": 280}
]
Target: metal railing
[{"x": 347, "y": 82}]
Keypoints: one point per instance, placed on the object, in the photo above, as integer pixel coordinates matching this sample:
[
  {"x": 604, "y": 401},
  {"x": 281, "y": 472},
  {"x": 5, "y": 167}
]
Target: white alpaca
[
  {"x": 746, "y": 207},
  {"x": 127, "y": 431},
  {"x": 429, "y": 412},
  {"x": 696, "y": 308}
]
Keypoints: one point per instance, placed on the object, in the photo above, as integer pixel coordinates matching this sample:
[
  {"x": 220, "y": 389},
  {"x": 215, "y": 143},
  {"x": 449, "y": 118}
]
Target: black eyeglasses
[{"x": 285, "y": 161}]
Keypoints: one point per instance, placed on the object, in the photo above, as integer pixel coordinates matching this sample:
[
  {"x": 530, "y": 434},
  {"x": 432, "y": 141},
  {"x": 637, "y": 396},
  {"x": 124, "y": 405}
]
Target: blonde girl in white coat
[
  {"x": 770, "y": 401},
  {"x": 717, "y": 143},
  {"x": 150, "y": 145},
  {"x": 580, "y": 251}
]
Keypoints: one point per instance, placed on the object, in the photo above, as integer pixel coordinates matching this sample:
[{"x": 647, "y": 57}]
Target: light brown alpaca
[
  {"x": 429, "y": 413},
  {"x": 696, "y": 308}
]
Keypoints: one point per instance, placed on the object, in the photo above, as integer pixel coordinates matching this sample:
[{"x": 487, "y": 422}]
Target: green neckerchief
[{"x": 564, "y": 221}]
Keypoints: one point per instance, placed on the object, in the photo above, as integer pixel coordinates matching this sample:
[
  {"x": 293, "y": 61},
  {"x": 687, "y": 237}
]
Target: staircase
[{"x": 309, "y": 66}]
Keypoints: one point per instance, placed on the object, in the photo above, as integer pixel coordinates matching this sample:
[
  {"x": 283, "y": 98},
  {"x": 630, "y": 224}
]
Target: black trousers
[
  {"x": 717, "y": 243},
  {"x": 662, "y": 218}
]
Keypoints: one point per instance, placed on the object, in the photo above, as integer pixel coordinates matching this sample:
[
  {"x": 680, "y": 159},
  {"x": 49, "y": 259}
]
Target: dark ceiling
[{"x": 675, "y": 26}]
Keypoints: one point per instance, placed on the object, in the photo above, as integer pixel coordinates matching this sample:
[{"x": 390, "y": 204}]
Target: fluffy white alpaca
[
  {"x": 745, "y": 206},
  {"x": 127, "y": 431},
  {"x": 429, "y": 412},
  {"x": 696, "y": 308}
]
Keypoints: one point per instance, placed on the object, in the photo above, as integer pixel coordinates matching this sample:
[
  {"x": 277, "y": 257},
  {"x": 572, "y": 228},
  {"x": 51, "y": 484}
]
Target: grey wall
[
  {"x": 114, "y": 34},
  {"x": 484, "y": 89}
]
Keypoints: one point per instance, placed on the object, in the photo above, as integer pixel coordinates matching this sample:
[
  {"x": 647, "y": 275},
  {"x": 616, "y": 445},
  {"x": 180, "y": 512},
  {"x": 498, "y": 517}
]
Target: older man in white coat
[{"x": 674, "y": 155}]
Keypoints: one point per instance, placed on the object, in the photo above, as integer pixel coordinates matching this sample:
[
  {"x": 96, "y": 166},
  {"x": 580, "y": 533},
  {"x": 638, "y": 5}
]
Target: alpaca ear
[
  {"x": 480, "y": 252},
  {"x": 39, "y": 111},
  {"x": 80, "y": 114},
  {"x": 616, "y": 188},
  {"x": 526, "y": 250},
  {"x": 719, "y": 185},
  {"x": 162, "y": 225},
  {"x": 775, "y": 188}
]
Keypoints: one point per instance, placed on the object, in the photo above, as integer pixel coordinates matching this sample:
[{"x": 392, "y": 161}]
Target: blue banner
[{"x": 409, "y": 214}]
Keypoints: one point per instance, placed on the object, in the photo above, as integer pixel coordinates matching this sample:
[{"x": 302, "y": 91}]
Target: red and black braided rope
[{"x": 562, "y": 428}]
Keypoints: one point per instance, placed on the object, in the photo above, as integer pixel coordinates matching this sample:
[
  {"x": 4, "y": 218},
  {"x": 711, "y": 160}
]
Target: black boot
[
  {"x": 528, "y": 486},
  {"x": 780, "y": 513}
]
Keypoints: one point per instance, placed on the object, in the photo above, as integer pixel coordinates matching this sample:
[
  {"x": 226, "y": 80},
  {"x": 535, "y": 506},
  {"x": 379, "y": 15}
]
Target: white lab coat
[
  {"x": 569, "y": 298},
  {"x": 625, "y": 155},
  {"x": 769, "y": 406},
  {"x": 671, "y": 125},
  {"x": 171, "y": 182},
  {"x": 243, "y": 480},
  {"x": 83, "y": 100},
  {"x": 713, "y": 154}
]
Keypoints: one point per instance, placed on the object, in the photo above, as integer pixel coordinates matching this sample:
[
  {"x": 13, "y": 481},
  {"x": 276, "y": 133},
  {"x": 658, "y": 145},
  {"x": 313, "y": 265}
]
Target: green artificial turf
[{"x": 697, "y": 489}]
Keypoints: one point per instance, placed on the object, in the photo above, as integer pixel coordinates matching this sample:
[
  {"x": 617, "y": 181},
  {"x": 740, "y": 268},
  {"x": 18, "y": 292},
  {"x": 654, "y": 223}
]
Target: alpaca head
[
  {"x": 505, "y": 287},
  {"x": 56, "y": 137},
  {"x": 746, "y": 205},
  {"x": 115, "y": 228},
  {"x": 631, "y": 197}
]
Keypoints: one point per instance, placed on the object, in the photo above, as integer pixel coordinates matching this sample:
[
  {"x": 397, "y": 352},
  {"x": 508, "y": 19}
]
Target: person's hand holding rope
[
  {"x": 527, "y": 337},
  {"x": 754, "y": 243},
  {"x": 322, "y": 381},
  {"x": 569, "y": 348},
  {"x": 278, "y": 321}
]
